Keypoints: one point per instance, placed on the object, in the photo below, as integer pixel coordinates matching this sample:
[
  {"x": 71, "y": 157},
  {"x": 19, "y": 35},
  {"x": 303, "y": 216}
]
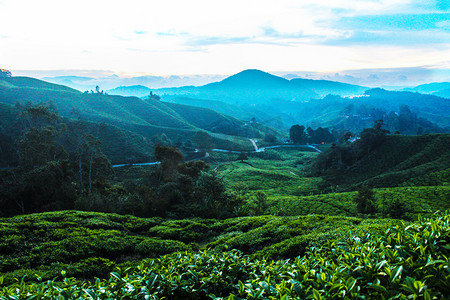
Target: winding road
[{"x": 257, "y": 149}]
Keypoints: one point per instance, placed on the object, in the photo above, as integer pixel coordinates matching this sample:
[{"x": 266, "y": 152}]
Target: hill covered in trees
[
  {"x": 381, "y": 160},
  {"x": 315, "y": 103},
  {"x": 147, "y": 118}
]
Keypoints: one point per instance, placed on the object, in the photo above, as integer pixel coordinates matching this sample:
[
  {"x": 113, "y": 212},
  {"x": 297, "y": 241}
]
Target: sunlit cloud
[{"x": 223, "y": 37}]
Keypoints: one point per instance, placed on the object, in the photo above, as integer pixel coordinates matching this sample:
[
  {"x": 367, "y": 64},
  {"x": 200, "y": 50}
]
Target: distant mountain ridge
[
  {"x": 142, "y": 118},
  {"x": 252, "y": 83},
  {"x": 306, "y": 101},
  {"x": 133, "y": 90}
]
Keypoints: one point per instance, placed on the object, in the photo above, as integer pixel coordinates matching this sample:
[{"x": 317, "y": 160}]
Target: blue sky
[{"x": 140, "y": 37}]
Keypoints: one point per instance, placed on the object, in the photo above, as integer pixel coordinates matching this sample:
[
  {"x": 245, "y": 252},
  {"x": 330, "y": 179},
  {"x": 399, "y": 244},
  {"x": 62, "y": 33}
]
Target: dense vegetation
[
  {"x": 280, "y": 103},
  {"x": 286, "y": 220},
  {"x": 381, "y": 160},
  {"x": 145, "y": 119},
  {"x": 87, "y": 244},
  {"x": 407, "y": 261}
]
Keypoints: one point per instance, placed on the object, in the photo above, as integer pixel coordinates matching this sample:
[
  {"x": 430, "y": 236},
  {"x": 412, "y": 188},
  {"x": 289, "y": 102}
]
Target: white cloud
[{"x": 198, "y": 36}]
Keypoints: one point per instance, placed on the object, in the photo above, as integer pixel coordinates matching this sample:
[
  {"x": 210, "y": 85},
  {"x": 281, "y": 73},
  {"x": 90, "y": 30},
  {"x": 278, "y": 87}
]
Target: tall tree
[
  {"x": 170, "y": 158},
  {"x": 297, "y": 134}
]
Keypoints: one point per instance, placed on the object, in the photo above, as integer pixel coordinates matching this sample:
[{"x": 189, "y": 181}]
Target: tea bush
[{"x": 407, "y": 261}]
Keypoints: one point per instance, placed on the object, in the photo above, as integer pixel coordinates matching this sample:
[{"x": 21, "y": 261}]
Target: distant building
[{"x": 5, "y": 73}]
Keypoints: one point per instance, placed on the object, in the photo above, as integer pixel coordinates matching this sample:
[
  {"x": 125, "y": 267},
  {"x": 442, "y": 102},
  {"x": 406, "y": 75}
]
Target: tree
[
  {"x": 320, "y": 135},
  {"x": 242, "y": 157},
  {"x": 297, "y": 134},
  {"x": 270, "y": 138},
  {"x": 39, "y": 146},
  {"x": 261, "y": 202},
  {"x": 396, "y": 209},
  {"x": 202, "y": 140},
  {"x": 153, "y": 96},
  {"x": 372, "y": 137},
  {"x": 170, "y": 158},
  {"x": 211, "y": 192},
  {"x": 38, "y": 140},
  {"x": 365, "y": 201},
  {"x": 345, "y": 138}
]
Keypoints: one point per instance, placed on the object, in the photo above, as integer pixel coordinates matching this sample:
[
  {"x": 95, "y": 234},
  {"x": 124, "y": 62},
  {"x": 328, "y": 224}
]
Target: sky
[{"x": 175, "y": 37}]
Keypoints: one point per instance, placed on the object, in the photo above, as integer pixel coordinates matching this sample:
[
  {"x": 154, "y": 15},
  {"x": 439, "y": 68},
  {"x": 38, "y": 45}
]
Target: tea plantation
[{"x": 405, "y": 261}]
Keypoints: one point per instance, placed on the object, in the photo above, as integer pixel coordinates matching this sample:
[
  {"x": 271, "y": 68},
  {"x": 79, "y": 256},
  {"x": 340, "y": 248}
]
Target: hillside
[
  {"x": 146, "y": 117},
  {"x": 88, "y": 244},
  {"x": 64, "y": 270},
  {"x": 238, "y": 111},
  {"x": 297, "y": 101},
  {"x": 433, "y": 108},
  {"x": 327, "y": 87},
  {"x": 133, "y": 147},
  {"x": 443, "y": 93},
  {"x": 396, "y": 161},
  {"x": 134, "y": 90},
  {"x": 434, "y": 88}
]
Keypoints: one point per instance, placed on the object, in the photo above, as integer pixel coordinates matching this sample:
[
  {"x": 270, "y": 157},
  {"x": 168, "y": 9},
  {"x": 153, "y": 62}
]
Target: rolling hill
[
  {"x": 134, "y": 90},
  {"x": 139, "y": 119},
  {"x": 421, "y": 160},
  {"x": 309, "y": 102},
  {"x": 327, "y": 87}
]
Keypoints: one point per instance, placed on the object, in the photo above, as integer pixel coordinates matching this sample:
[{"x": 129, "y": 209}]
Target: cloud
[
  {"x": 391, "y": 38},
  {"x": 414, "y": 22},
  {"x": 391, "y": 29}
]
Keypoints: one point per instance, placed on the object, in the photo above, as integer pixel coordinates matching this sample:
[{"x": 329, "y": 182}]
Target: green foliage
[
  {"x": 407, "y": 261},
  {"x": 297, "y": 134},
  {"x": 202, "y": 140},
  {"x": 396, "y": 161},
  {"x": 34, "y": 243},
  {"x": 365, "y": 201},
  {"x": 242, "y": 156}
]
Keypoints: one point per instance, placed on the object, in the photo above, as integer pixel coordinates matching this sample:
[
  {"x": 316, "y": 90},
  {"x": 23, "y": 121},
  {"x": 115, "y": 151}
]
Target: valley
[{"x": 106, "y": 197}]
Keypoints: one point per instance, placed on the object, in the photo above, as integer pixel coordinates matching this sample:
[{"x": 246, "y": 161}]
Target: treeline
[
  {"x": 404, "y": 120},
  {"x": 55, "y": 164},
  {"x": 333, "y": 163},
  {"x": 51, "y": 164},
  {"x": 298, "y": 134},
  {"x": 380, "y": 159}
]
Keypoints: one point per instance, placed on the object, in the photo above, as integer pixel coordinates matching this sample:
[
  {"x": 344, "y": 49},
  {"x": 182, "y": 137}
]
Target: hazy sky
[{"x": 223, "y": 36}]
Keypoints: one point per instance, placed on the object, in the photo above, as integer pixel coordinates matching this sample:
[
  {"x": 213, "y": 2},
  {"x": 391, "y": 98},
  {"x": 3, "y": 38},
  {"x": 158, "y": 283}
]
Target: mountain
[
  {"x": 134, "y": 90},
  {"x": 430, "y": 107},
  {"x": 253, "y": 93},
  {"x": 431, "y": 88},
  {"x": 440, "y": 89},
  {"x": 327, "y": 87},
  {"x": 256, "y": 85},
  {"x": 139, "y": 119},
  {"x": 249, "y": 86},
  {"x": 443, "y": 93},
  {"x": 107, "y": 82}
]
